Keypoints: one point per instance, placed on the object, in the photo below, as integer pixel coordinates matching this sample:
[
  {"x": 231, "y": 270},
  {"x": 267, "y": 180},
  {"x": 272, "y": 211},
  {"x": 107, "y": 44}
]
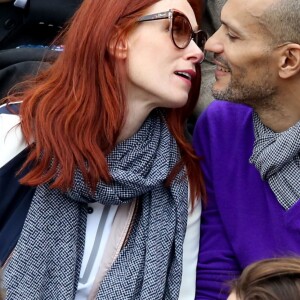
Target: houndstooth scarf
[
  {"x": 276, "y": 156},
  {"x": 47, "y": 259}
]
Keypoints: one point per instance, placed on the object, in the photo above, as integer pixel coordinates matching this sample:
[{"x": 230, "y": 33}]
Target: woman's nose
[{"x": 196, "y": 55}]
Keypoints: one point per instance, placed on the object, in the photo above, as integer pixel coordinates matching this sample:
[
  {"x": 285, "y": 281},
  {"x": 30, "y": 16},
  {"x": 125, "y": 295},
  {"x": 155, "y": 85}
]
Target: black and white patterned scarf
[
  {"x": 276, "y": 156},
  {"x": 47, "y": 259}
]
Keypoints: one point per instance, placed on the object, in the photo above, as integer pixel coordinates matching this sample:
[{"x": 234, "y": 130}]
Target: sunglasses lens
[
  {"x": 200, "y": 39},
  {"x": 181, "y": 31}
]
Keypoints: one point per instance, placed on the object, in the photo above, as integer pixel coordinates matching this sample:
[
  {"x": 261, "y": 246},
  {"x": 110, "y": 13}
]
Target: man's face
[{"x": 245, "y": 65}]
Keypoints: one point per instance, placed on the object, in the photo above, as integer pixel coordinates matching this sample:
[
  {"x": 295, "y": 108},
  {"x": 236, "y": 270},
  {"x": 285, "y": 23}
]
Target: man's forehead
[
  {"x": 257, "y": 7},
  {"x": 246, "y": 11}
]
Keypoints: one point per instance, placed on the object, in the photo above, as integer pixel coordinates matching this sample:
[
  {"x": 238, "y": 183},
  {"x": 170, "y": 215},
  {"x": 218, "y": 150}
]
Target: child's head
[{"x": 269, "y": 279}]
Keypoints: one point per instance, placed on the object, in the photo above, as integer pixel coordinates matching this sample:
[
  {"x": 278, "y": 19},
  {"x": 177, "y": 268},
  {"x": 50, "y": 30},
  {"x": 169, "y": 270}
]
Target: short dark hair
[
  {"x": 281, "y": 19},
  {"x": 269, "y": 279}
]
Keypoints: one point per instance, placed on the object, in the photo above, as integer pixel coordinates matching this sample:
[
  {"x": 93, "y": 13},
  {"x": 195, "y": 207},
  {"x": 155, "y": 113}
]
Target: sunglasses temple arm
[{"x": 153, "y": 17}]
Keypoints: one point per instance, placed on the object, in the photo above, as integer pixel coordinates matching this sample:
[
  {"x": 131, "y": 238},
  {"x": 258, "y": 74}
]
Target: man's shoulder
[
  {"x": 224, "y": 124},
  {"x": 222, "y": 113},
  {"x": 227, "y": 109}
]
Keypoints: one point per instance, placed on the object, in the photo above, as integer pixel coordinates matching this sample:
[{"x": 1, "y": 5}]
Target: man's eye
[{"x": 231, "y": 37}]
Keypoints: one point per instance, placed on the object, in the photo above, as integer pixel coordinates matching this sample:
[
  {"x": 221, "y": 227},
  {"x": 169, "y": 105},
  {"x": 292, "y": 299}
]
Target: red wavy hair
[{"x": 74, "y": 111}]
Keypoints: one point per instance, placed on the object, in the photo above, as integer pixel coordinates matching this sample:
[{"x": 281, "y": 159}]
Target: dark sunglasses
[{"x": 180, "y": 27}]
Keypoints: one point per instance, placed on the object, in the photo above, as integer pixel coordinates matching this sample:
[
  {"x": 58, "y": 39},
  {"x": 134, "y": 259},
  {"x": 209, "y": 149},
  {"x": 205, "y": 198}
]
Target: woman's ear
[
  {"x": 289, "y": 63},
  {"x": 118, "y": 47}
]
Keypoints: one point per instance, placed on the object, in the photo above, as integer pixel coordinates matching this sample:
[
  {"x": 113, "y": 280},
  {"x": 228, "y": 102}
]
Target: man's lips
[{"x": 221, "y": 67}]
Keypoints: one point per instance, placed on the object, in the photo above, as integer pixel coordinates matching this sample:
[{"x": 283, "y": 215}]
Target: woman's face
[{"x": 153, "y": 61}]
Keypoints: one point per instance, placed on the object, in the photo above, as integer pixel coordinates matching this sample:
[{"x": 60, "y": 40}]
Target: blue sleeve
[{"x": 216, "y": 260}]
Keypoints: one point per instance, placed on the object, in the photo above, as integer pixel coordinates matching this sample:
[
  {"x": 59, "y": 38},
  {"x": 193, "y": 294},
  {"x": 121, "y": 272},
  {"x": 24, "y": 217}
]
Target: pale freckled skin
[{"x": 151, "y": 64}]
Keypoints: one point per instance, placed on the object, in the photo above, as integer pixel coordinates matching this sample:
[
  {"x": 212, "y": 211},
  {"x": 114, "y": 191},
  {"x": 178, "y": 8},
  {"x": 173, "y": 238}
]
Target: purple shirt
[{"x": 243, "y": 221}]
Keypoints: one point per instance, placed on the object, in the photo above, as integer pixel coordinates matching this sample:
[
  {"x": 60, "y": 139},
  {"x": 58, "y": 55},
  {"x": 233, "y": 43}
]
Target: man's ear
[
  {"x": 289, "y": 63},
  {"x": 118, "y": 47}
]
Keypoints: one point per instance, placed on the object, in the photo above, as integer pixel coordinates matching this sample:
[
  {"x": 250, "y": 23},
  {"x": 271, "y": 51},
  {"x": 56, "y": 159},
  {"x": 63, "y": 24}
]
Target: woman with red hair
[{"x": 108, "y": 156}]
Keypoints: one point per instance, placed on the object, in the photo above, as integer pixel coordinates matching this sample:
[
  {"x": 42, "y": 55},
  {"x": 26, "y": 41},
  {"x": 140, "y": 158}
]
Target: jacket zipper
[{"x": 123, "y": 244}]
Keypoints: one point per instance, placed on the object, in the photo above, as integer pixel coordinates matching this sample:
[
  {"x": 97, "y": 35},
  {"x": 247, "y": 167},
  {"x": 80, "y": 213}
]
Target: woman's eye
[{"x": 177, "y": 29}]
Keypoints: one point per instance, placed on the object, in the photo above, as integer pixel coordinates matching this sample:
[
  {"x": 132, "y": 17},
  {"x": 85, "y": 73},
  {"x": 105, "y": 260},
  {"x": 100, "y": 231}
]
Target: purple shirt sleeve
[{"x": 216, "y": 262}]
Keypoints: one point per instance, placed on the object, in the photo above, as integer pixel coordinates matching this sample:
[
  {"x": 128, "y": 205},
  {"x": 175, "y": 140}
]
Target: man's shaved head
[{"x": 282, "y": 20}]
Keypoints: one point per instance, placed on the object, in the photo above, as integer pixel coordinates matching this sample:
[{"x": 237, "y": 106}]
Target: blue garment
[{"x": 243, "y": 221}]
